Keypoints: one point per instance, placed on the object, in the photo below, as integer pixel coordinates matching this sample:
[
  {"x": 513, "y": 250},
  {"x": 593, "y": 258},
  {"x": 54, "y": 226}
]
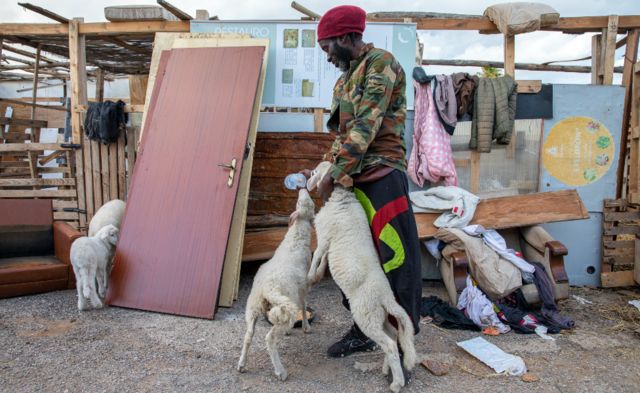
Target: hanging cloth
[{"x": 431, "y": 158}]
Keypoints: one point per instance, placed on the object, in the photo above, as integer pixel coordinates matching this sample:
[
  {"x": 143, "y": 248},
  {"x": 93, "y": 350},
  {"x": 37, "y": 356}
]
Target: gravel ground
[{"x": 49, "y": 346}]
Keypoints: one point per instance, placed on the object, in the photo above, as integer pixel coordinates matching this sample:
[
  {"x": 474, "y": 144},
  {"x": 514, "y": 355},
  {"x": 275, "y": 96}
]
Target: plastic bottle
[{"x": 294, "y": 181}]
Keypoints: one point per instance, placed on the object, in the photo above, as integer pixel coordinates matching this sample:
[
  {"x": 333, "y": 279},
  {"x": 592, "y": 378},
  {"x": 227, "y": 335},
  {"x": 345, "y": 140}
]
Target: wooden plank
[
  {"x": 104, "y": 172},
  {"x": 22, "y": 122},
  {"x": 35, "y": 147},
  {"x": 630, "y": 121},
  {"x": 509, "y": 55},
  {"x": 618, "y": 244},
  {"x": 37, "y": 182},
  {"x": 609, "y": 49},
  {"x": 260, "y": 245},
  {"x": 620, "y": 256},
  {"x": 34, "y": 93},
  {"x": 99, "y": 85},
  {"x": 132, "y": 28},
  {"x": 318, "y": 117},
  {"x": 70, "y": 216},
  {"x": 37, "y": 193},
  {"x": 529, "y": 86},
  {"x": 596, "y": 59},
  {"x": 96, "y": 175},
  {"x": 88, "y": 178},
  {"x": 622, "y": 216},
  {"x": 59, "y": 204},
  {"x": 113, "y": 170},
  {"x": 131, "y": 155},
  {"x": 174, "y": 10},
  {"x": 138, "y": 90},
  {"x": 617, "y": 279},
  {"x": 122, "y": 191},
  {"x": 516, "y": 211},
  {"x": 623, "y": 229},
  {"x": 44, "y": 12},
  {"x": 45, "y": 160},
  {"x": 474, "y": 180},
  {"x": 78, "y": 78},
  {"x": 636, "y": 268}
]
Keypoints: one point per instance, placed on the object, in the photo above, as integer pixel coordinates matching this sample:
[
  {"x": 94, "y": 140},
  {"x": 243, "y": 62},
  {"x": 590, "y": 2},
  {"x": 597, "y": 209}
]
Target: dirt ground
[{"x": 49, "y": 346}]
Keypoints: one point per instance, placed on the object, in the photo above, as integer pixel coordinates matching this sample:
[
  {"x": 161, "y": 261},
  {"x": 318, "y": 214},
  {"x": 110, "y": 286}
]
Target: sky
[{"x": 534, "y": 47}]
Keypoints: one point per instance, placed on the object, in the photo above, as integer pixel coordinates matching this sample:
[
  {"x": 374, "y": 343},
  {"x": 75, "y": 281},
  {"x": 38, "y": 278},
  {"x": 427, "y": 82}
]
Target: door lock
[{"x": 232, "y": 171}]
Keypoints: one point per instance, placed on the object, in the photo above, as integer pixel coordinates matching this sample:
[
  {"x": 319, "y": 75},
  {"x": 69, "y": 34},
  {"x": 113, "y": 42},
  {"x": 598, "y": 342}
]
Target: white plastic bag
[{"x": 494, "y": 357}]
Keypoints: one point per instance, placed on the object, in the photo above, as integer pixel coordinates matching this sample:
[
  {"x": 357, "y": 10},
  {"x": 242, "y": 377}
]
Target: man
[{"x": 367, "y": 117}]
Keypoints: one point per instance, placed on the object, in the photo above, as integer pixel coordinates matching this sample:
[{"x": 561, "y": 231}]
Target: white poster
[{"x": 304, "y": 77}]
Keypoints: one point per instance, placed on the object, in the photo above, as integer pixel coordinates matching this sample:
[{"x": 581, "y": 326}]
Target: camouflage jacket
[{"x": 367, "y": 116}]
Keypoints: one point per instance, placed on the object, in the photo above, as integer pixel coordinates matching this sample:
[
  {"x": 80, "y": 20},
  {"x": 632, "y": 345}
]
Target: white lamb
[
  {"x": 280, "y": 285},
  {"x": 109, "y": 213},
  {"x": 346, "y": 245},
  {"x": 90, "y": 257}
]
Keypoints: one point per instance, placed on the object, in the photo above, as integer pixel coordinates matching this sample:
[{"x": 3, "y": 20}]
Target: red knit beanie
[{"x": 341, "y": 20}]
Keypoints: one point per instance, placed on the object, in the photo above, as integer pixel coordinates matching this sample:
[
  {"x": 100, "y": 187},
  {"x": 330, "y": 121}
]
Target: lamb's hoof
[
  {"x": 282, "y": 375},
  {"x": 241, "y": 368},
  {"x": 307, "y": 330},
  {"x": 395, "y": 387}
]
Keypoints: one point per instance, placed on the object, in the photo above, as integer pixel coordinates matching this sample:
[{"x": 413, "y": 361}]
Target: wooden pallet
[{"x": 621, "y": 225}]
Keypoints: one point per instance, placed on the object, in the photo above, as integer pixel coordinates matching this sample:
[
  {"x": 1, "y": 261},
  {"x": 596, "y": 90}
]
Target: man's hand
[{"x": 325, "y": 187}]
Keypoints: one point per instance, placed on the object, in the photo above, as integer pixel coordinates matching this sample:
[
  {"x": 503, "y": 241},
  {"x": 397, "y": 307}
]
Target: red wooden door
[{"x": 174, "y": 233}]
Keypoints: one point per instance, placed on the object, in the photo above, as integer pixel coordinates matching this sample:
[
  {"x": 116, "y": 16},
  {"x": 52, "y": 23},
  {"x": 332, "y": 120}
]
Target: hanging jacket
[
  {"x": 431, "y": 158},
  {"x": 464, "y": 87},
  {"x": 445, "y": 98},
  {"x": 494, "y": 112},
  {"x": 105, "y": 120}
]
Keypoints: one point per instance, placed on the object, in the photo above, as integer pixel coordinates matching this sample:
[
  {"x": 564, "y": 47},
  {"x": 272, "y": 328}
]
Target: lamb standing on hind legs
[
  {"x": 90, "y": 258},
  {"x": 280, "y": 285},
  {"x": 354, "y": 264}
]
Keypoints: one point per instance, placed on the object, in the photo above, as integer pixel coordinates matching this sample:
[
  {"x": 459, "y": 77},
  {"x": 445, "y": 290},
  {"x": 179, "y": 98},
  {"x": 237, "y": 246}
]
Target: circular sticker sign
[{"x": 578, "y": 151}]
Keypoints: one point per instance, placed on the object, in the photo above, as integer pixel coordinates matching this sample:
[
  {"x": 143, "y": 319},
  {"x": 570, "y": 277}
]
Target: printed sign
[{"x": 578, "y": 151}]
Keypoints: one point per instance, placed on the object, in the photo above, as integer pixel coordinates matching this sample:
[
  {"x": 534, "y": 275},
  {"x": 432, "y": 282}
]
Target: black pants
[{"x": 393, "y": 226}]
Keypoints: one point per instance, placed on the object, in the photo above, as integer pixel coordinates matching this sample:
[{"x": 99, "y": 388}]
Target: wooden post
[
  {"x": 100, "y": 85},
  {"x": 634, "y": 153},
  {"x": 104, "y": 149},
  {"x": 609, "y": 50},
  {"x": 77, "y": 68},
  {"x": 474, "y": 172},
  {"x": 510, "y": 69},
  {"x": 509, "y": 55},
  {"x": 596, "y": 57},
  {"x": 318, "y": 120},
  {"x": 34, "y": 93},
  {"x": 630, "y": 54},
  {"x": 137, "y": 96}
]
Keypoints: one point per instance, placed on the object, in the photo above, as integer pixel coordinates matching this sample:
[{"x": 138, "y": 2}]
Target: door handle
[{"x": 232, "y": 171}]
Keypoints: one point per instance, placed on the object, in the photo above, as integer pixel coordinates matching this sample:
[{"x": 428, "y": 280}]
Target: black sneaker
[{"x": 353, "y": 341}]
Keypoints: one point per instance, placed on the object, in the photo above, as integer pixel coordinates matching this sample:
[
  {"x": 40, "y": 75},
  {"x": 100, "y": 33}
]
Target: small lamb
[
  {"x": 90, "y": 257},
  {"x": 109, "y": 213},
  {"x": 346, "y": 245},
  {"x": 280, "y": 285}
]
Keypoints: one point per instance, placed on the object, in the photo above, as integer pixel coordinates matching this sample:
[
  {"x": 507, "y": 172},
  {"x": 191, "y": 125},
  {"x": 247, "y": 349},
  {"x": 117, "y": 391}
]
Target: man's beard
[{"x": 344, "y": 57}]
